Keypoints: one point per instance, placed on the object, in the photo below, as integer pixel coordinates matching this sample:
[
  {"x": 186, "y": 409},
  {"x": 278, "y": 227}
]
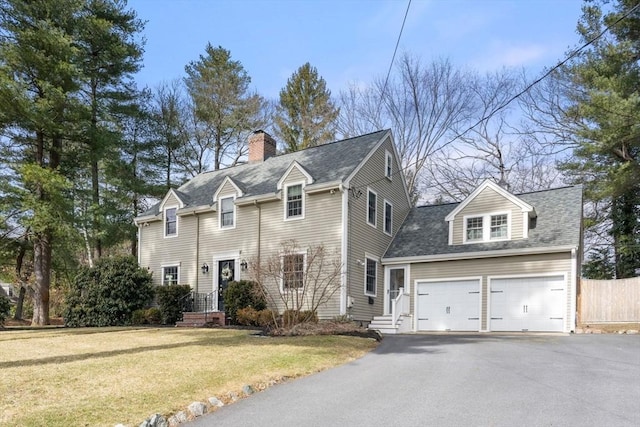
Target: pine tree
[
  {"x": 305, "y": 116},
  {"x": 219, "y": 88},
  {"x": 605, "y": 103}
]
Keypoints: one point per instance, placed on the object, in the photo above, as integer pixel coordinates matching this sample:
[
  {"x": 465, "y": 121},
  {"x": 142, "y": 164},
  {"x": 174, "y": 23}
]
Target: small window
[
  {"x": 499, "y": 226},
  {"x": 371, "y": 273},
  {"x": 170, "y": 275},
  {"x": 371, "y": 207},
  {"x": 388, "y": 171},
  {"x": 294, "y": 201},
  {"x": 388, "y": 217},
  {"x": 474, "y": 228},
  {"x": 170, "y": 222},
  {"x": 292, "y": 271},
  {"x": 227, "y": 212}
]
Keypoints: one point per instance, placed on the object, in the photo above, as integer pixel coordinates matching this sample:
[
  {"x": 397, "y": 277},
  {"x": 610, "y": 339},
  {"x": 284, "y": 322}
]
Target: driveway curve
[{"x": 460, "y": 380}]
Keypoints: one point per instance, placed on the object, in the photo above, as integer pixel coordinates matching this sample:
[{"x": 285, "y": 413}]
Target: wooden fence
[{"x": 609, "y": 301}]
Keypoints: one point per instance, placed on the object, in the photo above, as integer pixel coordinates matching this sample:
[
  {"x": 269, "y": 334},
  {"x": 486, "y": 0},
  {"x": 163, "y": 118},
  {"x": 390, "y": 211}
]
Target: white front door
[
  {"x": 528, "y": 304},
  {"x": 452, "y": 305}
]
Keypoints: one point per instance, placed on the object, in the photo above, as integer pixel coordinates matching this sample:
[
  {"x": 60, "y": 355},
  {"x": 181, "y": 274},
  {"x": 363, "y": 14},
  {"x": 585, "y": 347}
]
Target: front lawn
[{"x": 106, "y": 376}]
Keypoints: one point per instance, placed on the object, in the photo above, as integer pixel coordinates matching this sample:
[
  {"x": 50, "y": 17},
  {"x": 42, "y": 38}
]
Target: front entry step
[
  {"x": 384, "y": 326},
  {"x": 199, "y": 319}
]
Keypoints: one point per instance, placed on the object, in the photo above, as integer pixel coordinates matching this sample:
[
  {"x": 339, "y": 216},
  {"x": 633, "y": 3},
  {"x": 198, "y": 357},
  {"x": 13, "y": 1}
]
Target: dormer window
[
  {"x": 227, "y": 213},
  {"x": 170, "y": 222},
  {"x": 474, "y": 229},
  {"x": 486, "y": 228},
  {"x": 499, "y": 226},
  {"x": 294, "y": 207}
]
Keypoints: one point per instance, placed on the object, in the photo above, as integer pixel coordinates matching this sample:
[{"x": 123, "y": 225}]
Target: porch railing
[
  {"x": 399, "y": 306},
  {"x": 197, "y": 302}
]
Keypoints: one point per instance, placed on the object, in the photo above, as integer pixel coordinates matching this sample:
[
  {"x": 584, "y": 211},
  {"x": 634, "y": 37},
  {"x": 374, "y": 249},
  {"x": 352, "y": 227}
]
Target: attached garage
[
  {"x": 528, "y": 303},
  {"x": 451, "y": 305}
]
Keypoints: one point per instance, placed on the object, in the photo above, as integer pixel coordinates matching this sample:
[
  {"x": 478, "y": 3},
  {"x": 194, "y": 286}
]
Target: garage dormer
[{"x": 489, "y": 214}]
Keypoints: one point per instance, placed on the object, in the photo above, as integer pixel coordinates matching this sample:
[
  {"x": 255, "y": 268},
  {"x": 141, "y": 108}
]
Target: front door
[
  {"x": 396, "y": 281},
  {"x": 226, "y": 274}
]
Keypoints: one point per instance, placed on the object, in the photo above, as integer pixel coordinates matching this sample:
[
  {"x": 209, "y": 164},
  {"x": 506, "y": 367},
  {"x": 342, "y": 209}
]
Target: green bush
[
  {"x": 150, "y": 316},
  {"x": 108, "y": 294},
  {"x": 171, "y": 302},
  {"x": 242, "y": 294},
  {"x": 5, "y": 308},
  {"x": 138, "y": 317},
  {"x": 153, "y": 316}
]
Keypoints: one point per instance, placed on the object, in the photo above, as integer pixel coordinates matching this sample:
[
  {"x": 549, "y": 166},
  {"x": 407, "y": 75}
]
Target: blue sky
[{"x": 352, "y": 41}]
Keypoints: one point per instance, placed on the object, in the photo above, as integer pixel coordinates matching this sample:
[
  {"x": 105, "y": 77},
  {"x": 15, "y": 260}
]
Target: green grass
[{"x": 105, "y": 376}]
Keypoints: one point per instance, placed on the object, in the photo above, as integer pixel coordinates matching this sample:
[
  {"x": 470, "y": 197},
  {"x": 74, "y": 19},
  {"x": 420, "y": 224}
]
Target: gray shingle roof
[
  {"x": 326, "y": 163},
  {"x": 558, "y": 223}
]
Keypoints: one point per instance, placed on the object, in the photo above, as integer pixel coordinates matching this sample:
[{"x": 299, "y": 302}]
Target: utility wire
[
  {"x": 393, "y": 58},
  {"x": 519, "y": 94}
]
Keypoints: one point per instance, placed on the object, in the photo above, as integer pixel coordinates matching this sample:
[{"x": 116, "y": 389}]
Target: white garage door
[
  {"x": 449, "y": 305},
  {"x": 528, "y": 304}
]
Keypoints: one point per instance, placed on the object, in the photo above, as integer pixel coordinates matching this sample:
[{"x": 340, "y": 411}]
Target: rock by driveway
[{"x": 461, "y": 380}]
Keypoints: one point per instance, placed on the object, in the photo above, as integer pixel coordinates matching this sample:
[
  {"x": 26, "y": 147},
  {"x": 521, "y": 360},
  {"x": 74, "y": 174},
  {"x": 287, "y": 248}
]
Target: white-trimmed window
[
  {"x": 388, "y": 217},
  {"x": 170, "y": 222},
  {"x": 486, "y": 228},
  {"x": 474, "y": 229},
  {"x": 372, "y": 203},
  {"x": 227, "y": 213},
  {"x": 499, "y": 226},
  {"x": 370, "y": 276},
  {"x": 388, "y": 162},
  {"x": 294, "y": 207},
  {"x": 293, "y": 271},
  {"x": 170, "y": 275}
]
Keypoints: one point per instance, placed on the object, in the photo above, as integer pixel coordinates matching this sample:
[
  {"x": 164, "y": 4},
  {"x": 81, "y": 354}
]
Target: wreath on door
[{"x": 226, "y": 273}]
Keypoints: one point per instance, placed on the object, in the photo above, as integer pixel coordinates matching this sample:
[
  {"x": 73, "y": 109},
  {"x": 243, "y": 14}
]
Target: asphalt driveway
[{"x": 461, "y": 380}]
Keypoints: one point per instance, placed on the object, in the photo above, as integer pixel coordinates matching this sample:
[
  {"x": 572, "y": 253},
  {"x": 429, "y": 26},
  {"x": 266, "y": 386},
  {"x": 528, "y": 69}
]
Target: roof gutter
[
  {"x": 477, "y": 254},
  {"x": 147, "y": 218},
  {"x": 268, "y": 197}
]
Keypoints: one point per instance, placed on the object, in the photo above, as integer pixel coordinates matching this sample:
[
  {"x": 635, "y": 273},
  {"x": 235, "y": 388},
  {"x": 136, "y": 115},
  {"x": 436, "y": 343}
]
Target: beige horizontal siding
[
  {"x": 540, "y": 264},
  {"x": 365, "y": 239}
]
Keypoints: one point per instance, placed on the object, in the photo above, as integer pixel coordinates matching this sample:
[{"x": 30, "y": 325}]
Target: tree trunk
[
  {"x": 95, "y": 172},
  {"x": 42, "y": 272},
  {"x": 20, "y": 303}
]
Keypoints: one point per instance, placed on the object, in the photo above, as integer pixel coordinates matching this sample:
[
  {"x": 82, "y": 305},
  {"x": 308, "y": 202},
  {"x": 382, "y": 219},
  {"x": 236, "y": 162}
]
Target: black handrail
[{"x": 197, "y": 302}]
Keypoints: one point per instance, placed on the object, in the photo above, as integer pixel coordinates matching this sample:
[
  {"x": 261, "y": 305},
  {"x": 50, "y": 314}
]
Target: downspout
[
  {"x": 197, "y": 252},
  {"x": 255, "y": 203}
]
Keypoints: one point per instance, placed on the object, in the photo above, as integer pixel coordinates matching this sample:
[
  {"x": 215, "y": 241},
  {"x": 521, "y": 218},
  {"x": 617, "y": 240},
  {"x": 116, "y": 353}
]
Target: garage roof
[{"x": 425, "y": 232}]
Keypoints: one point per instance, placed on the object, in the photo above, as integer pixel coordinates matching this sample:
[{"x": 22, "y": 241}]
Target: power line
[
  {"x": 519, "y": 94},
  {"x": 393, "y": 58}
]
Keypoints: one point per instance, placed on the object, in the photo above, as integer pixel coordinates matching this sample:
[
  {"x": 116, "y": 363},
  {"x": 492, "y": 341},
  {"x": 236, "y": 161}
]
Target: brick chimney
[{"x": 261, "y": 146}]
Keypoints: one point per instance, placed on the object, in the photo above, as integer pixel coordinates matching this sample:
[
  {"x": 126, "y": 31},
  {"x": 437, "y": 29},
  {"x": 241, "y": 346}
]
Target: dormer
[
  {"x": 291, "y": 184},
  {"x": 169, "y": 206},
  {"x": 225, "y": 201},
  {"x": 489, "y": 214}
]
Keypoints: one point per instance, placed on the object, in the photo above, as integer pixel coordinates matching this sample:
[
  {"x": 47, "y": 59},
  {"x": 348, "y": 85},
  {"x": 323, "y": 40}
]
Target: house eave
[
  {"x": 325, "y": 186},
  {"x": 146, "y": 218},
  {"x": 192, "y": 210},
  {"x": 477, "y": 255},
  {"x": 260, "y": 198}
]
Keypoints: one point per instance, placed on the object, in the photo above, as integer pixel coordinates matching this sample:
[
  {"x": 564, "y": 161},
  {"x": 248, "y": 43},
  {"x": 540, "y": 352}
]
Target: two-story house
[
  {"x": 348, "y": 196},
  {"x": 494, "y": 262}
]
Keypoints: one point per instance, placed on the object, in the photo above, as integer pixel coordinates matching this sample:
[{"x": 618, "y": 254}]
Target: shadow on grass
[{"x": 200, "y": 341}]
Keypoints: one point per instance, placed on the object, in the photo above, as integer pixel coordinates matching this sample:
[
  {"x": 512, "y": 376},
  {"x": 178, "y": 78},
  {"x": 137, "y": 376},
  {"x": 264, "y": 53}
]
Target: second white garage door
[
  {"x": 528, "y": 304},
  {"x": 452, "y": 305}
]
